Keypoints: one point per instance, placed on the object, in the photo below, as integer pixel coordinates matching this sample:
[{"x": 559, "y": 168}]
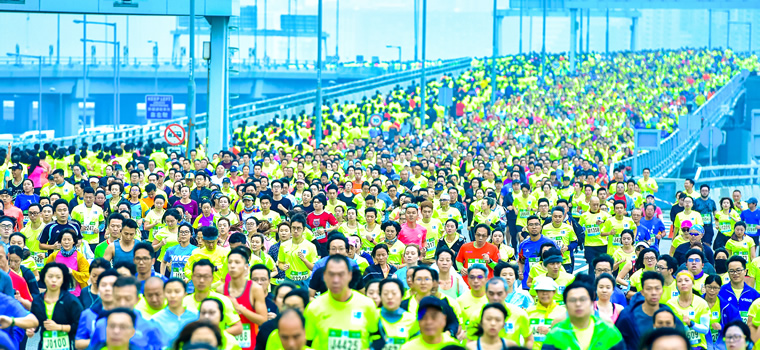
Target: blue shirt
[
  {"x": 172, "y": 324},
  {"x": 177, "y": 257},
  {"x": 153, "y": 273},
  {"x": 10, "y": 307},
  {"x": 529, "y": 249},
  {"x": 6, "y": 284},
  {"x": 744, "y": 300},
  {"x": 751, "y": 218},
  {"x": 147, "y": 334},
  {"x": 322, "y": 262},
  {"x": 648, "y": 229},
  {"x": 23, "y": 201},
  {"x": 86, "y": 324}
]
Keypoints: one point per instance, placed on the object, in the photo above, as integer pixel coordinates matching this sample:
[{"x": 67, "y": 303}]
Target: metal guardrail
[
  {"x": 679, "y": 145},
  {"x": 729, "y": 175},
  {"x": 259, "y": 109}
]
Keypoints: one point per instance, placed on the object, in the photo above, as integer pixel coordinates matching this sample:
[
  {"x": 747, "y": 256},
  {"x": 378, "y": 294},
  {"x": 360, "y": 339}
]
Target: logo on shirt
[{"x": 357, "y": 315}]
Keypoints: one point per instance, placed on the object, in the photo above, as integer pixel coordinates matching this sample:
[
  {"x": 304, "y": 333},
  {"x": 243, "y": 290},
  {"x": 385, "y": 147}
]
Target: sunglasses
[{"x": 693, "y": 234}]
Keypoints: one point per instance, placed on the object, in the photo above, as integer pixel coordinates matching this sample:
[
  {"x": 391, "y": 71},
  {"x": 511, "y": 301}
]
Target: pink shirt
[{"x": 416, "y": 235}]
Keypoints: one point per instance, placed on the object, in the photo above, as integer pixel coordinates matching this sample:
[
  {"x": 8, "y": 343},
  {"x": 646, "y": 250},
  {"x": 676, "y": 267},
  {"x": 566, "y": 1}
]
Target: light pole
[
  {"x": 116, "y": 70},
  {"x": 495, "y": 53},
  {"x": 60, "y": 102},
  {"x": 423, "y": 85},
  {"x": 395, "y": 47},
  {"x": 191, "y": 85},
  {"x": 337, "y": 22},
  {"x": 39, "y": 98},
  {"x": 155, "y": 65},
  {"x": 318, "y": 102}
]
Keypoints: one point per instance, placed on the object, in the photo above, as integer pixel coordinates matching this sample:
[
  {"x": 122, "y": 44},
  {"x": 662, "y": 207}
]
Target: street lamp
[
  {"x": 396, "y": 47},
  {"x": 39, "y": 101},
  {"x": 116, "y": 52},
  {"x": 749, "y": 25},
  {"x": 60, "y": 102},
  {"x": 155, "y": 65}
]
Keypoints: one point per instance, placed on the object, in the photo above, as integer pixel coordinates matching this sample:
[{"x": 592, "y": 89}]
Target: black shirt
[
  {"x": 51, "y": 233},
  {"x": 285, "y": 203},
  {"x": 348, "y": 200},
  {"x": 15, "y": 190}
]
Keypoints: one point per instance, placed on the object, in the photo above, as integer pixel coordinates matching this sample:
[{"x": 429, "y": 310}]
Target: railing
[
  {"x": 263, "y": 110},
  {"x": 675, "y": 148},
  {"x": 243, "y": 64},
  {"x": 729, "y": 175}
]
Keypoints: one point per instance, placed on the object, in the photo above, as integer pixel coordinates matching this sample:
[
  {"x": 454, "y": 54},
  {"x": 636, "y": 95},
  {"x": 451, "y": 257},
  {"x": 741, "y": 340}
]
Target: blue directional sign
[{"x": 158, "y": 107}]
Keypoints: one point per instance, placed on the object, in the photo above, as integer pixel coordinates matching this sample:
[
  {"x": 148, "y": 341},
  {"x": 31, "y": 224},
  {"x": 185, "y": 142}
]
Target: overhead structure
[
  {"x": 216, "y": 12},
  {"x": 611, "y": 8}
]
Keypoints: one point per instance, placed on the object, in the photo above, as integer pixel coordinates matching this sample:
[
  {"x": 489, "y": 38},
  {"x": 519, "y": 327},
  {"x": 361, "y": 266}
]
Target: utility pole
[
  {"x": 543, "y": 39},
  {"x": 495, "y": 53},
  {"x": 191, "y": 85},
  {"x": 318, "y": 102},
  {"x": 423, "y": 105}
]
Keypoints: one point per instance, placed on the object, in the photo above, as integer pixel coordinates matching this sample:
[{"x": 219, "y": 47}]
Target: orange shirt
[{"x": 469, "y": 255}]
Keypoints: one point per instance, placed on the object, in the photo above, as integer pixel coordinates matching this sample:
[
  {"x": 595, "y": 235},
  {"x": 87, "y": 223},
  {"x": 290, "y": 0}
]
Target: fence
[
  {"x": 264, "y": 110},
  {"x": 679, "y": 145}
]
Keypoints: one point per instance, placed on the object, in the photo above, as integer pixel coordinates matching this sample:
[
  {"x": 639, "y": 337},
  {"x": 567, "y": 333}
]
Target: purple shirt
[{"x": 191, "y": 207}]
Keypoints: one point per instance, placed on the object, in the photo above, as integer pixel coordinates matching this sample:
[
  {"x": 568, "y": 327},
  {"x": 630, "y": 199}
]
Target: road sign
[
  {"x": 158, "y": 107},
  {"x": 445, "y": 95},
  {"x": 711, "y": 133},
  {"x": 375, "y": 120},
  {"x": 646, "y": 139},
  {"x": 174, "y": 134}
]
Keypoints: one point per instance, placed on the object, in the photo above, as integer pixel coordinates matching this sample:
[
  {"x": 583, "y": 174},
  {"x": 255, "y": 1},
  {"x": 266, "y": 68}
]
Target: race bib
[
  {"x": 244, "y": 339},
  {"x": 39, "y": 260},
  {"x": 724, "y": 227},
  {"x": 751, "y": 229},
  {"x": 707, "y": 218},
  {"x": 298, "y": 276},
  {"x": 319, "y": 236},
  {"x": 524, "y": 213},
  {"x": 593, "y": 231},
  {"x": 577, "y": 211},
  {"x": 533, "y": 261},
  {"x": 55, "y": 340},
  {"x": 559, "y": 243},
  {"x": 394, "y": 343},
  {"x": 617, "y": 241},
  {"x": 744, "y": 316},
  {"x": 178, "y": 273},
  {"x": 475, "y": 261},
  {"x": 430, "y": 244},
  {"x": 715, "y": 335},
  {"x": 344, "y": 340},
  {"x": 534, "y": 324},
  {"x": 693, "y": 337}
]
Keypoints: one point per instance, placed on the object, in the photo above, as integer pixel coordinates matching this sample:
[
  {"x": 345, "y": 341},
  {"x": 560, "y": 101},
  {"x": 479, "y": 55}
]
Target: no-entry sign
[
  {"x": 174, "y": 134},
  {"x": 375, "y": 120}
]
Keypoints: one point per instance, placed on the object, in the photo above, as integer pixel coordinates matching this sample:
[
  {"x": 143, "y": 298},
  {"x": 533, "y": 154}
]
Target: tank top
[
  {"x": 246, "y": 340},
  {"x": 120, "y": 255},
  {"x": 503, "y": 344}
]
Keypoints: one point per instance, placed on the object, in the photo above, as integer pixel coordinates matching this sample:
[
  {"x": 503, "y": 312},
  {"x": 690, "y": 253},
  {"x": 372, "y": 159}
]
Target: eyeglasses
[
  {"x": 734, "y": 338},
  {"x": 735, "y": 272},
  {"x": 694, "y": 260},
  {"x": 694, "y": 234},
  {"x": 578, "y": 301},
  {"x": 6, "y": 227},
  {"x": 649, "y": 258},
  {"x": 34, "y": 213},
  {"x": 478, "y": 277},
  {"x": 420, "y": 279},
  {"x": 712, "y": 287},
  {"x": 142, "y": 259},
  {"x": 603, "y": 270},
  {"x": 660, "y": 268}
]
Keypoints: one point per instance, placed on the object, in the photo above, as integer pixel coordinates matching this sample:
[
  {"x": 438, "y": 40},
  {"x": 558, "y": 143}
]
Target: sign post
[
  {"x": 644, "y": 140},
  {"x": 158, "y": 107},
  {"x": 174, "y": 134}
]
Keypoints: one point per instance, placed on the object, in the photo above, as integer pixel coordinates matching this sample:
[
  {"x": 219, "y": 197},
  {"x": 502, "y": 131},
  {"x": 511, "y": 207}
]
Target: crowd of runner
[{"x": 460, "y": 233}]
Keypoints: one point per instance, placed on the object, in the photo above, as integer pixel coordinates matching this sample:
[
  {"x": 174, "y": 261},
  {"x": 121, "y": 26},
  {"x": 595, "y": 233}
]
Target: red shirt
[
  {"x": 19, "y": 284},
  {"x": 468, "y": 255},
  {"x": 320, "y": 221},
  {"x": 17, "y": 214}
]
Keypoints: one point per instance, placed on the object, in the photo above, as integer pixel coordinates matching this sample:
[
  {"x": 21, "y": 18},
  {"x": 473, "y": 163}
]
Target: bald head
[
  {"x": 291, "y": 330},
  {"x": 154, "y": 292}
]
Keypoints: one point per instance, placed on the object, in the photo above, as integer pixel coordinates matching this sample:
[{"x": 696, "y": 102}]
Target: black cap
[
  {"x": 428, "y": 302},
  {"x": 5, "y": 191},
  {"x": 9, "y": 219}
]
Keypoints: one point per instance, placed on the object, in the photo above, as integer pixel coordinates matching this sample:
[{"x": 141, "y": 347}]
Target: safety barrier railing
[
  {"x": 680, "y": 144},
  {"x": 262, "y": 108},
  {"x": 729, "y": 175}
]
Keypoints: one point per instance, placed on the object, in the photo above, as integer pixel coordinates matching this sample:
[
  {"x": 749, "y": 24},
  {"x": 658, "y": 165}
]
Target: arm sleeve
[{"x": 703, "y": 326}]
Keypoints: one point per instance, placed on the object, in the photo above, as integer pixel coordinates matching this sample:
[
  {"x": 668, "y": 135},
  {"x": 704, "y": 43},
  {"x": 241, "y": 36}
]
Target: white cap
[
  {"x": 545, "y": 283},
  {"x": 445, "y": 197}
]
